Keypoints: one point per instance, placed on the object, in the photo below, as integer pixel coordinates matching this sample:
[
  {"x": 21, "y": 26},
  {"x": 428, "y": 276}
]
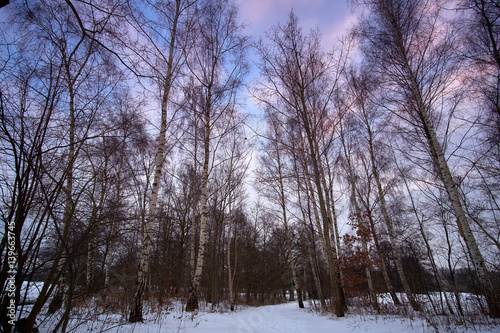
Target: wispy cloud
[
  {"x": 332, "y": 17},
  {"x": 264, "y": 11}
]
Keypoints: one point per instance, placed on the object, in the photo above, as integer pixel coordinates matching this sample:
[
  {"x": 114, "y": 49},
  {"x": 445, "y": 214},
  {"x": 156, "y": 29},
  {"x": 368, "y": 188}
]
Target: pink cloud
[{"x": 264, "y": 13}]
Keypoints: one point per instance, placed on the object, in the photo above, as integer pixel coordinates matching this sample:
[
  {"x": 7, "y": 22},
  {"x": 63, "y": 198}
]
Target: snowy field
[
  {"x": 266, "y": 319},
  {"x": 286, "y": 318}
]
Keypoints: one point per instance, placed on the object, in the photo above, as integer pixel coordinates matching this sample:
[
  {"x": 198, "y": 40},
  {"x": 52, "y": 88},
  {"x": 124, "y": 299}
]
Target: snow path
[{"x": 275, "y": 319}]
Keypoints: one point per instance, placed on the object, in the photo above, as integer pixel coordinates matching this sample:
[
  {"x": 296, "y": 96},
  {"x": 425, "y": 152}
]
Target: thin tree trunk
[
  {"x": 388, "y": 223},
  {"x": 452, "y": 273},
  {"x": 383, "y": 263},
  {"x": 395, "y": 251},
  {"x": 334, "y": 236},
  {"x": 229, "y": 272},
  {"x": 330, "y": 252},
  {"x": 427, "y": 245},
  {"x": 358, "y": 219},
  {"x": 292, "y": 266},
  {"x": 327, "y": 248},
  {"x": 193, "y": 232},
  {"x": 192, "y": 302},
  {"x": 441, "y": 166},
  {"x": 311, "y": 244},
  {"x": 192, "y": 252},
  {"x": 311, "y": 248},
  {"x": 89, "y": 274},
  {"x": 143, "y": 274},
  {"x": 57, "y": 300},
  {"x": 107, "y": 266},
  {"x": 287, "y": 232},
  {"x": 364, "y": 247}
]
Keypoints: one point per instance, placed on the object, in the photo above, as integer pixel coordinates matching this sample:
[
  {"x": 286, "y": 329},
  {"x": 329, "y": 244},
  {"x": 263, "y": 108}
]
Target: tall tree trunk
[
  {"x": 388, "y": 223},
  {"x": 193, "y": 231},
  {"x": 325, "y": 232},
  {"x": 192, "y": 301},
  {"x": 358, "y": 219},
  {"x": 143, "y": 274},
  {"x": 287, "y": 231},
  {"x": 311, "y": 244},
  {"x": 414, "y": 88},
  {"x": 334, "y": 236},
  {"x": 327, "y": 248},
  {"x": 383, "y": 263},
  {"x": 436, "y": 152},
  {"x": 58, "y": 297},
  {"x": 230, "y": 274}
]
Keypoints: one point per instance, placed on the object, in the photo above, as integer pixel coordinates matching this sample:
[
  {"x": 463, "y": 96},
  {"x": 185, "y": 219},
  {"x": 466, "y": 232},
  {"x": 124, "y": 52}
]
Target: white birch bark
[
  {"x": 327, "y": 249},
  {"x": 192, "y": 302},
  {"x": 404, "y": 57},
  {"x": 390, "y": 231},
  {"x": 229, "y": 269},
  {"x": 358, "y": 217},
  {"x": 441, "y": 165},
  {"x": 143, "y": 274}
]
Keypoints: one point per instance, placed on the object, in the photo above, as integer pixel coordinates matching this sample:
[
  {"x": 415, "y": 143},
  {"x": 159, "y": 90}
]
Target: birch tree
[
  {"x": 365, "y": 113},
  {"x": 159, "y": 36},
  {"x": 216, "y": 66},
  {"x": 298, "y": 81},
  {"x": 411, "y": 47},
  {"x": 480, "y": 29},
  {"x": 274, "y": 175},
  {"x": 84, "y": 79}
]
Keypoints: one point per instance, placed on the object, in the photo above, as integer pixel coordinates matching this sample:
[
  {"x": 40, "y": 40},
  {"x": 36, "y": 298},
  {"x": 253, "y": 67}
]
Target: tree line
[{"x": 127, "y": 158}]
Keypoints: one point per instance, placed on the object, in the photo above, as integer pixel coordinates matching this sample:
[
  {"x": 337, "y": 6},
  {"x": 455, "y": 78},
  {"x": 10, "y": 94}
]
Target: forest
[{"x": 152, "y": 152}]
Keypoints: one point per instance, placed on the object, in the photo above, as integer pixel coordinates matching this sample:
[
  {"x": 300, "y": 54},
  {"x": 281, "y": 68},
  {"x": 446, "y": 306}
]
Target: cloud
[
  {"x": 255, "y": 10},
  {"x": 340, "y": 29},
  {"x": 262, "y": 14}
]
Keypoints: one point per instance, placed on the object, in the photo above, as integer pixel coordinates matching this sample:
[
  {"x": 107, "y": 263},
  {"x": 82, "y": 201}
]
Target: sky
[{"x": 332, "y": 17}]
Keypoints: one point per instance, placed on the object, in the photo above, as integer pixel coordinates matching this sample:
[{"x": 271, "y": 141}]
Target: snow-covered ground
[
  {"x": 289, "y": 318},
  {"x": 285, "y": 317},
  {"x": 265, "y": 319}
]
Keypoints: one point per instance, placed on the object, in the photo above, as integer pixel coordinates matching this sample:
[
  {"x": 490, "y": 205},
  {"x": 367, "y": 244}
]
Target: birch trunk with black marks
[
  {"x": 230, "y": 274},
  {"x": 287, "y": 231},
  {"x": 192, "y": 301},
  {"x": 358, "y": 219},
  {"x": 441, "y": 165},
  {"x": 388, "y": 223},
  {"x": 419, "y": 68},
  {"x": 492, "y": 297},
  {"x": 311, "y": 246},
  {"x": 143, "y": 273},
  {"x": 328, "y": 250}
]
